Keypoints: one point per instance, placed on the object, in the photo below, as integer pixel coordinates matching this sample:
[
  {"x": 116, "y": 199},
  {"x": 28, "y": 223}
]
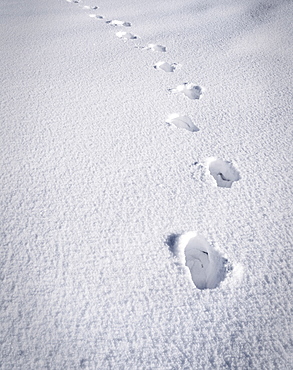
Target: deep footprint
[
  {"x": 204, "y": 265},
  {"x": 223, "y": 172},
  {"x": 116, "y": 23},
  {"x": 176, "y": 120},
  {"x": 166, "y": 67},
  {"x": 190, "y": 90}
]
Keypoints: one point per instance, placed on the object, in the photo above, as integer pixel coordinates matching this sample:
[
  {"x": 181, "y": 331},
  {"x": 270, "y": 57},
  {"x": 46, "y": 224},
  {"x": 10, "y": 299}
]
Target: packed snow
[{"x": 127, "y": 243}]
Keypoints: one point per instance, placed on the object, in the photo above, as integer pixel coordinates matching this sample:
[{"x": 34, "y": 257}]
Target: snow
[{"x": 96, "y": 188}]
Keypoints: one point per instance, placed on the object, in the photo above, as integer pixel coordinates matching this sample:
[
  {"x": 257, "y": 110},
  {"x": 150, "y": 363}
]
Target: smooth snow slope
[{"x": 94, "y": 184}]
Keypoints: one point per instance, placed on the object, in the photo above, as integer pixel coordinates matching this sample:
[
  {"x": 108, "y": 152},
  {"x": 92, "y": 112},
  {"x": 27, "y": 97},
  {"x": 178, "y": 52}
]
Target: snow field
[{"x": 94, "y": 183}]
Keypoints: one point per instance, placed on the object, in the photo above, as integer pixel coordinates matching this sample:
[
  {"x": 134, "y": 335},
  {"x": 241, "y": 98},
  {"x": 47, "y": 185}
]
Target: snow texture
[{"x": 93, "y": 183}]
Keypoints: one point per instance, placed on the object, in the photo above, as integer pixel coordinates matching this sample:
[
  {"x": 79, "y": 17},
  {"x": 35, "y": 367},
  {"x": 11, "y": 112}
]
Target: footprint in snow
[
  {"x": 126, "y": 35},
  {"x": 164, "y": 66},
  {"x": 223, "y": 172},
  {"x": 87, "y": 7},
  {"x": 188, "y": 89},
  {"x": 96, "y": 16},
  {"x": 154, "y": 47},
  {"x": 204, "y": 265},
  {"x": 116, "y": 23},
  {"x": 176, "y": 120}
]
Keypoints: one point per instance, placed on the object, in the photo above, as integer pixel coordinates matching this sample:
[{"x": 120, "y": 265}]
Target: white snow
[{"x": 97, "y": 191}]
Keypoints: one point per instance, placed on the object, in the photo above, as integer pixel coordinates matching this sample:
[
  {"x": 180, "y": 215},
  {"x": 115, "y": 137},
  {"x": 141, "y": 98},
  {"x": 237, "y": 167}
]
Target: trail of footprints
[{"x": 206, "y": 266}]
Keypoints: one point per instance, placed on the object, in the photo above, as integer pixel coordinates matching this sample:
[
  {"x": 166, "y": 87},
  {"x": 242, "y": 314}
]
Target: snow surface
[{"x": 94, "y": 184}]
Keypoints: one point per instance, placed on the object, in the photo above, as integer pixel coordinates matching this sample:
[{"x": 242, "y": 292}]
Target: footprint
[
  {"x": 164, "y": 66},
  {"x": 119, "y": 23},
  {"x": 223, "y": 172},
  {"x": 87, "y": 7},
  {"x": 126, "y": 35},
  {"x": 188, "y": 89},
  {"x": 204, "y": 265},
  {"x": 155, "y": 47},
  {"x": 96, "y": 16},
  {"x": 181, "y": 122}
]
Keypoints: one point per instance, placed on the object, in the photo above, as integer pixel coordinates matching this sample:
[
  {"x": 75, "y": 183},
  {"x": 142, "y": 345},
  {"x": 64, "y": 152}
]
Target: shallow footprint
[
  {"x": 164, "y": 66},
  {"x": 87, "y": 7},
  {"x": 223, "y": 172},
  {"x": 98, "y": 16},
  {"x": 119, "y": 23},
  {"x": 181, "y": 122},
  {"x": 126, "y": 35},
  {"x": 190, "y": 90},
  {"x": 205, "y": 266},
  {"x": 155, "y": 47}
]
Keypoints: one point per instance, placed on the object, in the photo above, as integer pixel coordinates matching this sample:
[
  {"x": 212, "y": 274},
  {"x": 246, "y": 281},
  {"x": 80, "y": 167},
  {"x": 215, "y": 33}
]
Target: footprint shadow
[{"x": 172, "y": 241}]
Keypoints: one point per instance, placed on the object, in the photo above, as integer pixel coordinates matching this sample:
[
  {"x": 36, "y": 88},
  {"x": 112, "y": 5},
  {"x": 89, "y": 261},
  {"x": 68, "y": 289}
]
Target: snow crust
[{"x": 93, "y": 183}]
